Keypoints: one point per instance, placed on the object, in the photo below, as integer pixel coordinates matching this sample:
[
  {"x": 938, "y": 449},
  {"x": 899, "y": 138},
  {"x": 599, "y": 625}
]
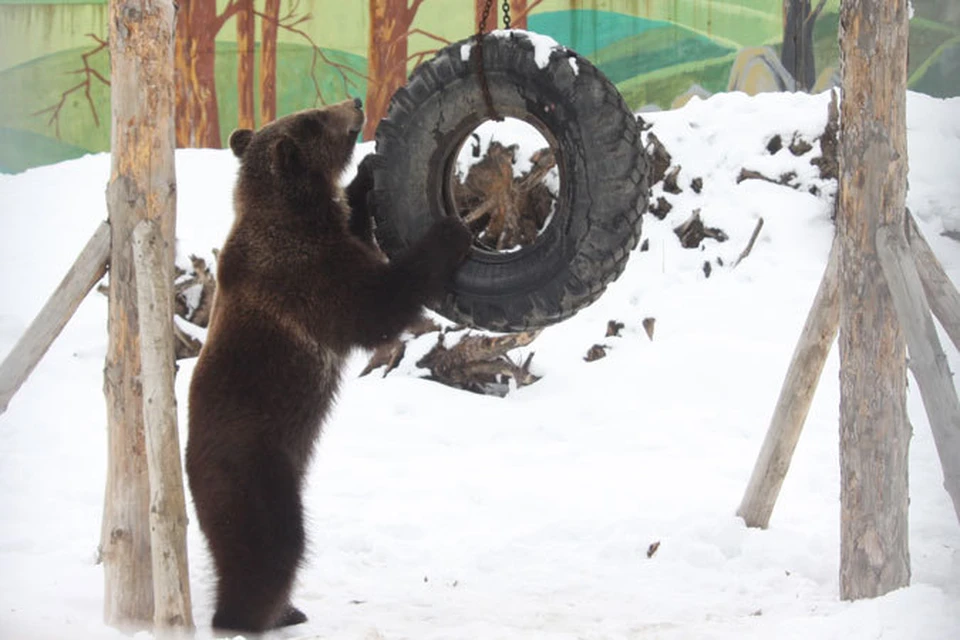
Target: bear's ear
[
  {"x": 286, "y": 156},
  {"x": 240, "y": 140}
]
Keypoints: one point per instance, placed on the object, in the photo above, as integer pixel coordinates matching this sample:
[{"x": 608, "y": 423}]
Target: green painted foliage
[
  {"x": 655, "y": 49},
  {"x": 21, "y": 150},
  {"x": 662, "y": 86},
  {"x": 29, "y": 91}
]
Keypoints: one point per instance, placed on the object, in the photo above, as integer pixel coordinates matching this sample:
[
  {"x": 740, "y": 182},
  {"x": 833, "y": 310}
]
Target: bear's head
[{"x": 298, "y": 158}]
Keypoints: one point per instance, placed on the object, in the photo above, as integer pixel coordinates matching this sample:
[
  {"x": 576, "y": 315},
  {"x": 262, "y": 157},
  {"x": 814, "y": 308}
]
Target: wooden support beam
[
  {"x": 796, "y": 395},
  {"x": 927, "y": 361},
  {"x": 874, "y": 427},
  {"x": 168, "y": 514},
  {"x": 89, "y": 267},
  {"x": 142, "y": 186},
  {"x": 941, "y": 293}
]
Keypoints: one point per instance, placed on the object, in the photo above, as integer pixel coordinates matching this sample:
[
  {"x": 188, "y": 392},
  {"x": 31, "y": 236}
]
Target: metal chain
[
  {"x": 481, "y": 74},
  {"x": 506, "y": 14}
]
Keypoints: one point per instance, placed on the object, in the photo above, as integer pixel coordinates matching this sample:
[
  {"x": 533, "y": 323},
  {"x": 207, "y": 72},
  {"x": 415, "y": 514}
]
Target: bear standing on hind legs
[{"x": 300, "y": 283}]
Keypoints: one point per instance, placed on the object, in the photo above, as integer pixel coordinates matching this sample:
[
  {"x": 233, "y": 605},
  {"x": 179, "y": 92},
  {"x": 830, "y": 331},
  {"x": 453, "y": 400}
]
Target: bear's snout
[{"x": 358, "y": 103}]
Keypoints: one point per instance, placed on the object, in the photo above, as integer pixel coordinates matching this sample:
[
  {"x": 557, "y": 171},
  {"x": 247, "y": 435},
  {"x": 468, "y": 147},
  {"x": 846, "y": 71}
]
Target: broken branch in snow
[
  {"x": 753, "y": 239},
  {"x": 389, "y": 354},
  {"x": 693, "y": 232},
  {"x": 480, "y": 363}
]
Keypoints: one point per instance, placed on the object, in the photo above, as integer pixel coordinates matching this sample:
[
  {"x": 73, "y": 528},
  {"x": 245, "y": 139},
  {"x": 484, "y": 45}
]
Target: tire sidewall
[{"x": 565, "y": 100}]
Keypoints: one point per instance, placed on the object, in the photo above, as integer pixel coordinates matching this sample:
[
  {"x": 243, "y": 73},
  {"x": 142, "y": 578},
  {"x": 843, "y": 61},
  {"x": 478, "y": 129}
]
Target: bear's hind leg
[{"x": 260, "y": 547}]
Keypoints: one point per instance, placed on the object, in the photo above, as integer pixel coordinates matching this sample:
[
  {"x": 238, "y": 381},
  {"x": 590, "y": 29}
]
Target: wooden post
[
  {"x": 799, "y": 385},
  {"x": 874, "y": 430},
  {"x": 89, "y": 267},
  {"x": 927, "y": 361},
  {"x": 168, "y": 514},
  {"x": 142, "y": 186},
  {"x": 941, "y": 294}
]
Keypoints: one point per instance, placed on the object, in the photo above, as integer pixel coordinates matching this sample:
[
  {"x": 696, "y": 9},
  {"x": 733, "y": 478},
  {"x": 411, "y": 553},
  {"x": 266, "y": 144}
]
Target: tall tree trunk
[
  {"x": 390, "y": 22},
  {"x": 874, "y": 430},
  {"x": 245, "y": 60},
  {"x": 142, "y": 186},
  {"x": 198, "y": 116},
  {"x": 268, "y": 61}
]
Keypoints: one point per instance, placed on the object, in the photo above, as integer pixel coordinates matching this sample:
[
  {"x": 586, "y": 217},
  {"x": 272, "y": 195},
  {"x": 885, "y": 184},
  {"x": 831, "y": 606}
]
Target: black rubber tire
[{"x": 603, "y": 178}]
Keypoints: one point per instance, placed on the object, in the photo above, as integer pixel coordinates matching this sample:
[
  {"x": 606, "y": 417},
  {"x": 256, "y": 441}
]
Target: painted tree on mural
[
  {"x": 198, "y": 116},
  {"x": 391, "y": 25},
  {"x": 198, "y": 23},
  {"x": 245, "y": 55},
  {"x": 88, "y": 76},
  {"x": 520, "y": 12},
  {"x": 799, "y": 18},
  {"x": 268, "y": 61},
  {"x": 478, "y": 8}
]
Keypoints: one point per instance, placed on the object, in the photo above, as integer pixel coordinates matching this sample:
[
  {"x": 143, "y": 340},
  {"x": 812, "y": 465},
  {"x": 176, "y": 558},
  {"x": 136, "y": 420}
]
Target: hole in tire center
[{"x": 504, "y": 183}]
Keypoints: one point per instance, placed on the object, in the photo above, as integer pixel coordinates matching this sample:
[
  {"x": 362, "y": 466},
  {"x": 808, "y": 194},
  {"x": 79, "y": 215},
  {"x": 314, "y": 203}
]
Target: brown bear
[{"x": 300, "y": 284}]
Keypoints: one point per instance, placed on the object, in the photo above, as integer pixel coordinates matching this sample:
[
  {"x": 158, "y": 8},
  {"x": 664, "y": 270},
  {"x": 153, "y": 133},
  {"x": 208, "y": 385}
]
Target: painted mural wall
[{"x": 240, "y": 63}]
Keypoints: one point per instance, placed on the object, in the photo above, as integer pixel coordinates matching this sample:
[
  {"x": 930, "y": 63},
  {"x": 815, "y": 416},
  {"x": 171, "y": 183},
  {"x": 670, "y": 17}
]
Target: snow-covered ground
[{"x": 436, "y": 513}]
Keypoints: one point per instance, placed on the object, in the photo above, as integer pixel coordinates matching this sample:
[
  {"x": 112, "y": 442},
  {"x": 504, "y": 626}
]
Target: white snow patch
[{"x": 542, "y": 45}]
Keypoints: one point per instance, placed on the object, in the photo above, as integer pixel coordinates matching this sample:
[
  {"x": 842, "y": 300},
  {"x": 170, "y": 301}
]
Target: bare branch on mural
[
  {"x": 816, "y": 12},
  {"x": 89, "y": 76},
  {"x": 521, "y": 16},
  {"x": 290, "y": 23},
  {"x": 420, "y": 55}
]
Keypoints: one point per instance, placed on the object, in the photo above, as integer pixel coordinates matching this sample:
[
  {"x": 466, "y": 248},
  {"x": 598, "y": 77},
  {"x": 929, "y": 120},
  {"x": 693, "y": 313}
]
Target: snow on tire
[{"x": 603, "y": 176}]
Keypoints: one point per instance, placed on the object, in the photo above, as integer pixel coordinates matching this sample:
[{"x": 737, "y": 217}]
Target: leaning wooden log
[
  {"x": 927, "y": 361},
  {"x": 941, "y": 293},
  {"x": 168, "y": 514},
  {"x": 87, "y": 270},
  {"x": 796, "y": 395}
]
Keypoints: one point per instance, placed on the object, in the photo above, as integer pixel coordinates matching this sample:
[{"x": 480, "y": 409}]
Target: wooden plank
[
  {"x": 941, "y": 293},
  {"x": 927, "y": 362},
  {"x": 796, "y": 395},
  {"x": 89, "y": 267},
  {"x": 168, "y": 514}
]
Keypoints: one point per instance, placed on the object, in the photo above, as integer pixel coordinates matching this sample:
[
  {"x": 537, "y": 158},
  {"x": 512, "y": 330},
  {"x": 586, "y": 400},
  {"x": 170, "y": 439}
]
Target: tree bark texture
[
  {"x": 168, "y": 512},
  {"x": 245, "y": 62},
  {"x": 142, "y": 186},
  {"x": 269, "y": 25},
  {"x": 874, "y": 430},
  {"x": 390, "y": 22}
]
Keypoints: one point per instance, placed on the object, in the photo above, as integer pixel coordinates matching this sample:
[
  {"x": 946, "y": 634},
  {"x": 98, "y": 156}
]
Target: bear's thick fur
[{"x": 300, "y": 283}]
